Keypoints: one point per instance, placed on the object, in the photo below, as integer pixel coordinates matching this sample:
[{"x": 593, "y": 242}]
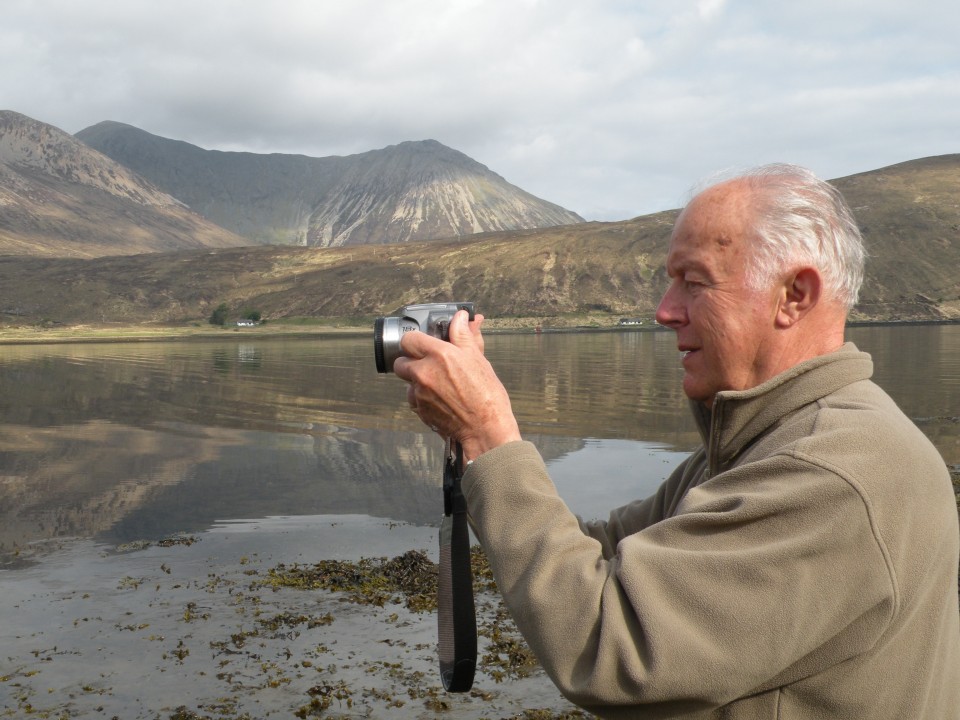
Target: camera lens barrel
[{"x": 386, "y": 342}]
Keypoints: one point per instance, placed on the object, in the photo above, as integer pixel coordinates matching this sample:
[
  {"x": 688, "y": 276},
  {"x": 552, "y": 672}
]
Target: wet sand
[{"x": 194, "y": 629}]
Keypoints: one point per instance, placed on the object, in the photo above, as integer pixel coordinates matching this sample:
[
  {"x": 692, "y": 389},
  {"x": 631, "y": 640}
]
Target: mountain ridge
[
  {"x": 908, "y": 212},
  {"x": 414, "y": 190},
  {"x": 56, "y": 205},
  {"x": 56, "y": 192}
]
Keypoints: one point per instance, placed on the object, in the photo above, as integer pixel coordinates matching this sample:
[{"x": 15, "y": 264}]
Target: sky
[{"x": 609, "y": 108}]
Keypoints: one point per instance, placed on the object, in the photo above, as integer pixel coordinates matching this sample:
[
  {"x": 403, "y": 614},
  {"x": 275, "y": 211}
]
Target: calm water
[{"x": 118, "y": 442}]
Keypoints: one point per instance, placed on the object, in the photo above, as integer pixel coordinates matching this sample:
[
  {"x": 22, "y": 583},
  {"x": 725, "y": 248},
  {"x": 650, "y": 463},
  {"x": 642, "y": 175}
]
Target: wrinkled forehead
[
  {"x": 724, "y": 209},
  {"x": 715, "y": 227}
]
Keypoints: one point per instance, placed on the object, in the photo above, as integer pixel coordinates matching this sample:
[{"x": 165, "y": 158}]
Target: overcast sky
[{"x": 610, "y": 108}]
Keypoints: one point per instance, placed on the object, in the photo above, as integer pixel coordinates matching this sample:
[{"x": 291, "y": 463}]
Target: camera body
[{"x": 431, "y": 318}]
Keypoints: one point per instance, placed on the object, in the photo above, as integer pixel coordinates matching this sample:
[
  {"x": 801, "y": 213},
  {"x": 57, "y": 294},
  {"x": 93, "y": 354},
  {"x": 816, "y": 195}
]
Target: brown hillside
[
  {"x": 910, "y": 218},
  {"x": 909, "y": 213},
  {"x": 595, "y": 266}
]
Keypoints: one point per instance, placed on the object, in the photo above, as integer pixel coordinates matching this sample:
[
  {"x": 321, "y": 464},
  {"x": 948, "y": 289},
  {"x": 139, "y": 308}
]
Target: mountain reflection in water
[{"x": 124, "y": 442}]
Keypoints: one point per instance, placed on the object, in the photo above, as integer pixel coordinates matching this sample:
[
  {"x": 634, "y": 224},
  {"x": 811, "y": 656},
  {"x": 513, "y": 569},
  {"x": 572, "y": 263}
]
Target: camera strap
[{"x": 456, "y": 615}]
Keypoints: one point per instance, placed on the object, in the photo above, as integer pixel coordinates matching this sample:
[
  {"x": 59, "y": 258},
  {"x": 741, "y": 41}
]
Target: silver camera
[{"x": 431, "y": 318}]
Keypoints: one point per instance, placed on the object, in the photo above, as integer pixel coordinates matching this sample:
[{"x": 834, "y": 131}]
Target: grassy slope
[{"x": 563, "y": 275}]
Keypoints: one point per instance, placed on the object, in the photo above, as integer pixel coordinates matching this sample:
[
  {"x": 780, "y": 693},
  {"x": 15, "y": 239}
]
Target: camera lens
[
  {"x": 378, "y": 345},
  {"x": 386, "y": 342}
]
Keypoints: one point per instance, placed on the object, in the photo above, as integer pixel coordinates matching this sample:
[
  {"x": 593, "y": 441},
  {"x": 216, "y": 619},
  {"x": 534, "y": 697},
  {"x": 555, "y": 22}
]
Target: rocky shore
[
  {"x": 287, "y": 617},
  {"x": 330, "y": 616}
]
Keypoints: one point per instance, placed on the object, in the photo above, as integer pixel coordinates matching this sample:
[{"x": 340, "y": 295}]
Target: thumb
[{"x": 463, "y": 333}]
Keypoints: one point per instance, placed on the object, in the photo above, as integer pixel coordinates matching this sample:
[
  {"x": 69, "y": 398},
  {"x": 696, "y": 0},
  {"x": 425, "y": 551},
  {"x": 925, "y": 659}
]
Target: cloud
[{"x": 611, "y": 109}]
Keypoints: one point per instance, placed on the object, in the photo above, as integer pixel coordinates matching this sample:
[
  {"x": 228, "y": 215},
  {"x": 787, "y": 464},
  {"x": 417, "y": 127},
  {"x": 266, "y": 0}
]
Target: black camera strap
[{"x": 456, "y": 615}]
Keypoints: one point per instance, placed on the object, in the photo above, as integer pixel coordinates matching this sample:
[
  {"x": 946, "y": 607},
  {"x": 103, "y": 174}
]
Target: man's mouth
[{"x": 686, "y": 354}]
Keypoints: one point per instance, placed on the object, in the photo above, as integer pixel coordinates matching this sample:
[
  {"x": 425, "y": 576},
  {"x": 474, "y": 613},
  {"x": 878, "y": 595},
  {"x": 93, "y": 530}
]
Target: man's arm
[
  {"x": 642, "y": 513},
  {"x": 751, "y": 585}
]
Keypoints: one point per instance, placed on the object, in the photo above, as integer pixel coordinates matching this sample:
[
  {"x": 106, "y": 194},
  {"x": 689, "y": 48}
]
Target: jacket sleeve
[
  {"x": 640, "y": 514},
  {"x": 752, "y": 583}
]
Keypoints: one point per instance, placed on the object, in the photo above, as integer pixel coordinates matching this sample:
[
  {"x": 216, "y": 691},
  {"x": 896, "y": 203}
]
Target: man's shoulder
[
  {"x": 864, "y": 409},
  {"x": 856, "y": 429},
  {"x": 862, "y": 432}
]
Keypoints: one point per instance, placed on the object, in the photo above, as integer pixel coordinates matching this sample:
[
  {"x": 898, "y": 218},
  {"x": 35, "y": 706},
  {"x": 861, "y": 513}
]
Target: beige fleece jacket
[{"x": 801, "y": 565}]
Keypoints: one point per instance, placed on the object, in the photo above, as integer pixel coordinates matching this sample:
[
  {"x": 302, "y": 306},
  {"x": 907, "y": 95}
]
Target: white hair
[{"x": 799, "y": 220}]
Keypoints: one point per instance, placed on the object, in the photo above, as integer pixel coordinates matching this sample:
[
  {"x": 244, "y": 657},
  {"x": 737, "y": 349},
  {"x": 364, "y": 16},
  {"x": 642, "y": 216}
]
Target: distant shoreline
[
  {"x": 121, "y": 333},
  {"x": 88, "y": 334}
]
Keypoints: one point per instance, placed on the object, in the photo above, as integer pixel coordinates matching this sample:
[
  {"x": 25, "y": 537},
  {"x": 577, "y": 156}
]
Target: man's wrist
[{"x": 474, "y": 448}]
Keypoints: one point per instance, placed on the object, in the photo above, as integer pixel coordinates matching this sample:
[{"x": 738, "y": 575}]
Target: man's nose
[{"x": 670, "y": 312}]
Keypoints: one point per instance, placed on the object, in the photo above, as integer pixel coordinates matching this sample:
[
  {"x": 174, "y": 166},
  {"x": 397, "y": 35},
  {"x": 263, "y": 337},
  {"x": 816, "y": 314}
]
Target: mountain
[
  {"x": 402, "y": 193},
  {"x": 59, "y": 197},
  {"x": 909, "y": 215},
  {"x": 908, "y": 212}
]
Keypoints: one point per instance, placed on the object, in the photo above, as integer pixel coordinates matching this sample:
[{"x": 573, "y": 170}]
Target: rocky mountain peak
[
  {"x": 414, "y": 190},
  {"x": 60, "y": 197},
  {"x": 29, "y": 145}
]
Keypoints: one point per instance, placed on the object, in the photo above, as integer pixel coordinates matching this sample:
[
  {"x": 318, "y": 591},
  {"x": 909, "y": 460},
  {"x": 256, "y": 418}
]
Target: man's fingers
[
  {"x": 414, "y": 346},
  {"x": 462, "y": 333},
  {"x": 451, "y": 386},
  {"x": 465, "y": 333}
]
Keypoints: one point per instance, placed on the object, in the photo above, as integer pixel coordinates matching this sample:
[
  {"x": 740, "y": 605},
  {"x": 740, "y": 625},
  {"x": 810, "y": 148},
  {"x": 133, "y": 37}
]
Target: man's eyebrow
[{"x": 675, "y": 266}]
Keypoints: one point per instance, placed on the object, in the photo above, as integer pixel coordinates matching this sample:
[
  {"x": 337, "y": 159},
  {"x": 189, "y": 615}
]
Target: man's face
[{"x": 724, "y": 328}]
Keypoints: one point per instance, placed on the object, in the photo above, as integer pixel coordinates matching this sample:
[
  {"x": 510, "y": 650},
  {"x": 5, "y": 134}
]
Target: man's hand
[{"x": 453, "y": 388}]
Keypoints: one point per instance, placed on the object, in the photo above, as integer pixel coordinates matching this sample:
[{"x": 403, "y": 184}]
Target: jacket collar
[{"x": 739, "y": 417}]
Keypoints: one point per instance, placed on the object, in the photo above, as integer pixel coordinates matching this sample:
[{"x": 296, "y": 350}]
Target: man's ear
[{"x": 799, "y": 294}]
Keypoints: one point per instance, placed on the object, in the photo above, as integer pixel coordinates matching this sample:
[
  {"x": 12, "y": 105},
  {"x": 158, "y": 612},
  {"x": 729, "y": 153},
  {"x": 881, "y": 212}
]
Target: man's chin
[{"x": 695, "y": 393}]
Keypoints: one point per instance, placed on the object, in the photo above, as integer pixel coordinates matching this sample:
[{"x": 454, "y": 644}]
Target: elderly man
[{"x": 802, "y": 564}]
